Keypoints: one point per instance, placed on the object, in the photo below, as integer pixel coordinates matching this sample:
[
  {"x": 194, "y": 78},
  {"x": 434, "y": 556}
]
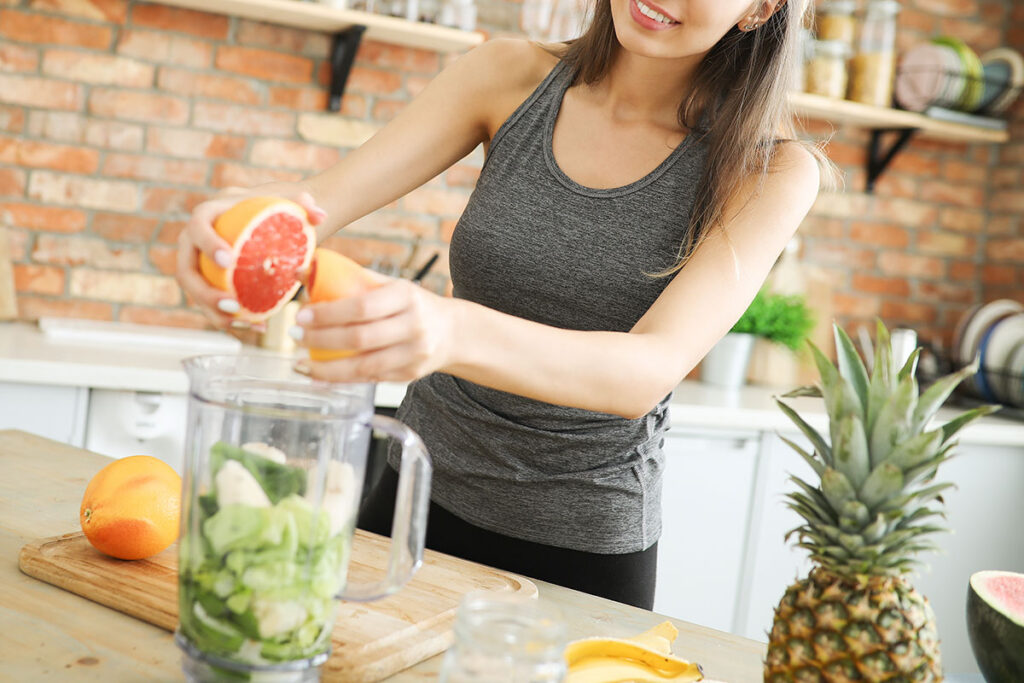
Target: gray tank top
[{"x": 535, "y": 244}]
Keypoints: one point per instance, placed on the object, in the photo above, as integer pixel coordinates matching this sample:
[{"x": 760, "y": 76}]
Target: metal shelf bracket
[
  {"x": 343, "y": 54},
  {"x": 879, "y": 160}
]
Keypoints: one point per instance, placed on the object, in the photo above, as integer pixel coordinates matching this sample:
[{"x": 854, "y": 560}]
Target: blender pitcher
[{"x": 274, "y": 467}]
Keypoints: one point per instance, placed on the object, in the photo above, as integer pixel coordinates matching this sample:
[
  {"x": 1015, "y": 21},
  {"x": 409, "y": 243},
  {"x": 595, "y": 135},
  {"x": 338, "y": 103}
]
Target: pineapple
[{"x": 856, "y": 617}]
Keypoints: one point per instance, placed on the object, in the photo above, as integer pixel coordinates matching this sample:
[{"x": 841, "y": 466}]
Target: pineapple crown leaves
[{"x": 872, "y": 505}]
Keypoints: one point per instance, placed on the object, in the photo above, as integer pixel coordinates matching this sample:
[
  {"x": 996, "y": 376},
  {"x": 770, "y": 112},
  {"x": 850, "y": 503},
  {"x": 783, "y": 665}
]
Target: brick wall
[{"x": 117, "y": 117}]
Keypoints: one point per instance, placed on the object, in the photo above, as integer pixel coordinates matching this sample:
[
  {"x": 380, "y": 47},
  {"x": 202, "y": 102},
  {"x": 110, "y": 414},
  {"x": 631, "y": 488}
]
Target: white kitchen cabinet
[
  {"x": 56, "y": 412},
  {"x": 123, "y": 423},
  {"x": 771, "y": 563},
  {"x": 706, "y": 502}
]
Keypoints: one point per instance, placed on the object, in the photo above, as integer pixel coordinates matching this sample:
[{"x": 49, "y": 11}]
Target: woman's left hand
[{"x": 399, "y": 332}]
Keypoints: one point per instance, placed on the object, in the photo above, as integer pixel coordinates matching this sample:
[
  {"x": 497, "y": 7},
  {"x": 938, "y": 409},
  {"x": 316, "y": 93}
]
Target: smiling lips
[{"x": 650, "y": 16}]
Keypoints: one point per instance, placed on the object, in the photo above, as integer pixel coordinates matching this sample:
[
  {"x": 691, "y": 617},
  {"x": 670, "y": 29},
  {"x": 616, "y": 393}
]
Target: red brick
[
  {"x": 165, "y": 48},
  {"x": 1005, "y": 177},
  {"x": 403, "y": 59},
  {"x": 236, "y": 175},
  {"x": 83, "y": 192},
  {"x": 169, "y": 200},
  {"x": 436, "y": 202},
  {"x": 18, "y": 58},
  {"x": 945, "y": 243},
  {"x": 839, "y": 254},
  {"x": 75, "y": 128},
  {"x": 98, "y": 68},
  {"x": 38, "y": 279},
  {"x": 374, "y": 81},
  {"x": 366, "y": 251},
  {"x": 37, "y": 28},
  {"x": 12, "y": 119},
  {"x": 17, "y": 241},
  {"x": 48, "y": 218},
  {"x": 385, "y": 110},
  {"x": 879, "y": 234},
  {"x": 941, "y": 146},
  {"x": 953, "y": 193},
  {"x": 1008, "y": 200},
  {"x": 910, "y": 265},
  {"x": 164, "y": 259},
  {"x": 305, "y": 99},
  {"x": 134, "y": 288},
  {"x": 914, "y": 19},
  {"x": 946, "y": 292},
  {"x": 900, "y": 311},
  {"x": 959, "y": 171},
  {"x": 448, "y": 229},
  {"x": 214, "y": 86},
  {"x": 979, "y": 36},
  {"x": 33, "y": 154},
  {"x": 177, "y": 171},
  {"x": 138, "y": 106},
  {"x": 1002, "y": 225},
  {"x": 113, "y": 11},
  {"x": 293, "y": 154},
  {"x": 962, "y": 220},
  {"x": 846, "y": 154},
  {"x": 283, "y": 38},
  {"x": 33, "y": 308},
  {"x": 85, "y": 251},
  {"x": 840, "y": 205},
  {"x": 387, "y": 224},
  {"x": 196, "y": 144},
  {"x": 998, "y": 275},
  {"x": 1012, "y": 153},
  {"x": 949, "y": 8},
  {"x": 462, "y": 175},
  {"x": 12, "y": 182},
  {"x": 264, "y": 64},
  {"x": 169, "y": 232},
  {"x": 123, "y": 227},
  {"x": 816, "y": 226},
  {"x": 963, "y": 271},
  {"x": 855, "y": 305},
  {"x": 164, "y": 317},
  {"x": 40, "y": 92},
  {"x": 871, "y": 284},
  {"x": 906, "y": 212},
  {"x": 890, "y": 185},
  {"x": 213, "y": 26},
  {"x": 1006, "y": 249},
  {"x": 228, "y": 118}
]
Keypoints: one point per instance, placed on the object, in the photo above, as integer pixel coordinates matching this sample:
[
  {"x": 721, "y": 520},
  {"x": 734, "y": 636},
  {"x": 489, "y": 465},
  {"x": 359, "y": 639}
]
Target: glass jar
[
  {"x": 835, "y": 21},
  {"x": 505, "y": 639},
  {"x": 825, "y": 73},
  {"x": 874, "y": 64}
]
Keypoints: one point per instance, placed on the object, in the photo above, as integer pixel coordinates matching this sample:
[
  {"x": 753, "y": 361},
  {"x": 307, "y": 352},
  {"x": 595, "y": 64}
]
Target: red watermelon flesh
[{"x": 995, "y": 624}]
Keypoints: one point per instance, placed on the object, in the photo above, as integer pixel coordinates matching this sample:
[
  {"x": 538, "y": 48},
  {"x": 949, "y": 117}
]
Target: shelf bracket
[
  {"x": 879, "y": 160},
  {"x": 343, "y": 54}
]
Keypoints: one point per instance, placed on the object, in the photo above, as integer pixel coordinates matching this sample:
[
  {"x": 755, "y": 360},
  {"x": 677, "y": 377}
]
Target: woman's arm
[
  {"x": 460, "y": 109},
  {"x": 404, "y": 332}
]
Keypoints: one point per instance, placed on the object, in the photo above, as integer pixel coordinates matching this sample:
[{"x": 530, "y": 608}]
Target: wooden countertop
[{"x": 50, "y": 634}]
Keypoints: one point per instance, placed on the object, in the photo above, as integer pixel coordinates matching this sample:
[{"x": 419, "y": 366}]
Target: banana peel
[{"x": 644, "y": 658}]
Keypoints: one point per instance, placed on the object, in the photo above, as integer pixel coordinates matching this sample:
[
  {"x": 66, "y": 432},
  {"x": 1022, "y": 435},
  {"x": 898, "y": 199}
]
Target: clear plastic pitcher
[{"x": 274, "y": 467}]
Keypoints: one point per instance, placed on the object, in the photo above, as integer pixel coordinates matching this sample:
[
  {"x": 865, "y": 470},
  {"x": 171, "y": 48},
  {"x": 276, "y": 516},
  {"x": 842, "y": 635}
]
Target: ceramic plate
[
  {"x": 1015, "y": 382},
  {"x": 978, "y": 326},
  {"x": 1001, "y": 340},
  {"x": 923, "y": 78},
  {"x": 958, "y": 332},
  {"x": 971, "y": 69},
  {"x": 1014, "y": 63}
]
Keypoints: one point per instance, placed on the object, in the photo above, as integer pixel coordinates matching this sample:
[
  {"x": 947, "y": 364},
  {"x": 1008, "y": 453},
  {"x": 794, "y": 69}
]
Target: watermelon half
[{"x": 995, "y": 623}]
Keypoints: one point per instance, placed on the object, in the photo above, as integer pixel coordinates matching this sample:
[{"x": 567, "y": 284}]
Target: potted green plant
[{"x": 778, "y": 323}]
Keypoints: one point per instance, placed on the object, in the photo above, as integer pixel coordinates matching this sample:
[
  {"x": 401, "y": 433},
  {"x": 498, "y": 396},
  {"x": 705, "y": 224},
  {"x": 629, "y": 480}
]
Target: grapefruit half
[
  {"x": 331, "y": 277},
  {"x": 273, "y": 244}
]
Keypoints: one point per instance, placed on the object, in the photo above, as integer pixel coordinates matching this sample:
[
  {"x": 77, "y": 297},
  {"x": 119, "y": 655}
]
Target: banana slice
[
  {"x": 265, "y": 450},
  {"x": 658, "y": 638},
  {"x": 618, "y": 670}
]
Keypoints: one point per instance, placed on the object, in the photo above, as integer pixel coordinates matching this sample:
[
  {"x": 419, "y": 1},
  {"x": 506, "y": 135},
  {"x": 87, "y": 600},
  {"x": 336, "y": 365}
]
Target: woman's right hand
[{"x": 198, "y": 236}]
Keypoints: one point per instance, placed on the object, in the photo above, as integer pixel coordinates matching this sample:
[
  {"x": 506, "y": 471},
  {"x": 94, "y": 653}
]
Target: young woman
[{"x": 639, "y": 184}]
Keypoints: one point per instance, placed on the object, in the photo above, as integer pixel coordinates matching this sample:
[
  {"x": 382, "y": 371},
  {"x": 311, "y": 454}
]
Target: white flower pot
[{"x": 726, "y": 363}]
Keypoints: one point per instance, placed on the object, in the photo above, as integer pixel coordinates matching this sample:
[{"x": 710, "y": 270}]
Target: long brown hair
[{"x": 740, "y": 85}]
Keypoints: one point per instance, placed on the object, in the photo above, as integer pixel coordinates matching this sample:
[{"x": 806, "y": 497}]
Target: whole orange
[
  {"x": 333, "y": 276},
  {"x": 131, "y": 507}
]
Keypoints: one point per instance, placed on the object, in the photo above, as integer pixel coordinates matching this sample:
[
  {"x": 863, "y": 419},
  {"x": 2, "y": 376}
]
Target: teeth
[{"x": 648, "y": 12}]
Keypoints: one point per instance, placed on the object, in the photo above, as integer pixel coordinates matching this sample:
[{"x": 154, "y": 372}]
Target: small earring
[{"x": 750, "y": 27}]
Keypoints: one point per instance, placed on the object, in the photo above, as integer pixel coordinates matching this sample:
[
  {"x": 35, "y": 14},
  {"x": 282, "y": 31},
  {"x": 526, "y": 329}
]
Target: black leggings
[{"x": 627, "y": 578}]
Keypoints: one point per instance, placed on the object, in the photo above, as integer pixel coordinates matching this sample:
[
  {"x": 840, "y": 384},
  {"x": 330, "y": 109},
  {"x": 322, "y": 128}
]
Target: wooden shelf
[
  {"x": 879, "y": 118},
  {"x": 320, "y": 17}
]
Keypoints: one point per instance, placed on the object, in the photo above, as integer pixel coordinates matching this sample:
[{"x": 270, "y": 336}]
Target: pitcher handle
[{"x": 409, "y": 528}]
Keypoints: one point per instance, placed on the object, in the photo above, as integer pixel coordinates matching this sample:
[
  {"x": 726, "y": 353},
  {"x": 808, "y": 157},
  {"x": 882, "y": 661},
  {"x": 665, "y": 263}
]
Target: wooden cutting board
[{"x": 372, "y": 640}]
